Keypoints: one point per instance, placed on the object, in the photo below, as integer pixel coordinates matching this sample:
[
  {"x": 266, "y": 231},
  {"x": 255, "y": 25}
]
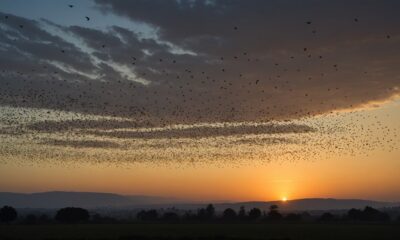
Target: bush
[
  {"x": 254, "y": 214},
  {"x": 229, "y": 214},
  {"x": 8, "y": 214},
  {"x": 72, "y": 215},
  {"x": 274, "y": 214},
  {"x": 368, "y": 214}
]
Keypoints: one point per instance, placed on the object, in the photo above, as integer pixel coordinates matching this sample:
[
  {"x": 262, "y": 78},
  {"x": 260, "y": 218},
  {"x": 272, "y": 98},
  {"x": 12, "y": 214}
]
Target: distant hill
[
  {"x": 51, "y": 200},
  {"x": 77, "y": 199}
]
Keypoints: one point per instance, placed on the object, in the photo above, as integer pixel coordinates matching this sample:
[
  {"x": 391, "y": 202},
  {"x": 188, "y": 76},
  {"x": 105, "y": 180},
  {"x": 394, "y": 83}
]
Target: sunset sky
[{"x": 201, "y": 100}]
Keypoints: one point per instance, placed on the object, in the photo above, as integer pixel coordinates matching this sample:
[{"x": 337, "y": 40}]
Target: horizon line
[{"x": 227, "y": 201}]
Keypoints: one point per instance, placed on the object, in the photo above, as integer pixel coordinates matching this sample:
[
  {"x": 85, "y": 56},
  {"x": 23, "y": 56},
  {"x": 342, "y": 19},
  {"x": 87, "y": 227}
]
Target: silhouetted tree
[
  {"x": 72, "y": 215},
  {"x": 273, "y": 213},
  {"x": 207, "y": 213},
  {"x": 8, "y": 214},
  {"x": 372, "y": 214},
  {"x": 229, "y": 214},
  {"x": 210, "y": 211},
  {"x": 149, "y": 215},
  {"x": 202, "y": 214},
  {"x": 326, "y": 217},
  {"x": 354, "y": 214},
  {"x": 254, "y": 214},
  {"x": 242, "y": 213},
  {"x": 368, "y": 214}
]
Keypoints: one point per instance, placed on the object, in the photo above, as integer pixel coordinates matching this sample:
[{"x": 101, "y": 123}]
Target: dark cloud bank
[
  {"x": 118, "y": 129},
  {"x": 212, "y": 61}
]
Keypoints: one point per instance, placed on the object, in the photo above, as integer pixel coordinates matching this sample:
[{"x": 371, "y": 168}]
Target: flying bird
[{"x": 184, "y": 95}]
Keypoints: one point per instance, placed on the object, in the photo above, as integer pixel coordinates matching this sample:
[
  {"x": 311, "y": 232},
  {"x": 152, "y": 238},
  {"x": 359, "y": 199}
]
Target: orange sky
[
  {"x": 340, "y": 178},
  {"x": 375, "y": 176}
]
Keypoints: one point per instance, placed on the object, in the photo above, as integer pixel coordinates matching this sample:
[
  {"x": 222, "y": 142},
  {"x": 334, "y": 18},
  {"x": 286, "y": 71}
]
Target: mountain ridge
[{"x": 91, "y": 200}]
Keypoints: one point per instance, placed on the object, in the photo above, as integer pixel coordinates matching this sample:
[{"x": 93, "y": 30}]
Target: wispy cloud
[{"x": 81, "y": 143}]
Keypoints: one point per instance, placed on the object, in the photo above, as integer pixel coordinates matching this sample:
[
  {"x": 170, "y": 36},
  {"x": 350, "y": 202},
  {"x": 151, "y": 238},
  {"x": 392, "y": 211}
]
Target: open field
[{"x": 202, "y": 231}]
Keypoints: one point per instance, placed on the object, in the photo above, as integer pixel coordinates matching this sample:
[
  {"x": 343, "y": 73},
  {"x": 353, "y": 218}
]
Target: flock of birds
[{"x": 220, "y": 115}]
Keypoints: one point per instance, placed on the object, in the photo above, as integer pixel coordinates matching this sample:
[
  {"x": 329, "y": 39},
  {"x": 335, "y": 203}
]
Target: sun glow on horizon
[{"x": 284, "y": 199}]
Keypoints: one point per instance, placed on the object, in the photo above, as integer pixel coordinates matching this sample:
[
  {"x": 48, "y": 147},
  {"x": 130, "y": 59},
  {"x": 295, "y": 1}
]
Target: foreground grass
[{"x": 201, "y": 231}]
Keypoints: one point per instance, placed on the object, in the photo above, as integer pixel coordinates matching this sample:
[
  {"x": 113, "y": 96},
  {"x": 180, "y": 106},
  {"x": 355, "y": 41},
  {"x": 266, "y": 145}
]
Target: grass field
[{"x": 201, "y": 231}]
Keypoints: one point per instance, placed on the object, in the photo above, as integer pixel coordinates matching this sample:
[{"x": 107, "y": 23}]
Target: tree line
[{"x": 9, "y": 215}]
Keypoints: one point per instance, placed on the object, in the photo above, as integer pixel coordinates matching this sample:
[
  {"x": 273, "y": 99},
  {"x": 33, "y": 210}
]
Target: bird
[
  {"x": 254, "y": 88},
  {"x": 70, "y": 5},
  {"x": 87, "y": 18}
]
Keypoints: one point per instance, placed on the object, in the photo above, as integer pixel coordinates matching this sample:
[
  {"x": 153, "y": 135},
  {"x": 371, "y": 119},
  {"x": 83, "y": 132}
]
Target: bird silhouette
[{"x": 191, "y": 106}]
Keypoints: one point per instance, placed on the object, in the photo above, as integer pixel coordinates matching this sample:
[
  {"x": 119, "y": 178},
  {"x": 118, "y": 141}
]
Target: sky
[{"x": 202, "y": 100}]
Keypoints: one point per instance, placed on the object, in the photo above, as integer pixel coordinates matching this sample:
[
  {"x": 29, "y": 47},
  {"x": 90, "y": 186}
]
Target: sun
[{"x": 284, "y": 199}]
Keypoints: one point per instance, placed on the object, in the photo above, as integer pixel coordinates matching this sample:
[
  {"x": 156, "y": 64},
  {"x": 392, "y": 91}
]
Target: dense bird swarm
[{"x": 114, "y": 96}]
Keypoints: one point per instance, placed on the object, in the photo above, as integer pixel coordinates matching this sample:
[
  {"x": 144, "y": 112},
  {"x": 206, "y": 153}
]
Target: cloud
[
  {"x": 82, "y": 143},
  {"x": 142, "y": 130},
  {"x": 83, "y": 124},
  {"x": 207, "y": 131},
  {"x": 27, "y": 38},
  {"x": 211, "y": 61}
]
